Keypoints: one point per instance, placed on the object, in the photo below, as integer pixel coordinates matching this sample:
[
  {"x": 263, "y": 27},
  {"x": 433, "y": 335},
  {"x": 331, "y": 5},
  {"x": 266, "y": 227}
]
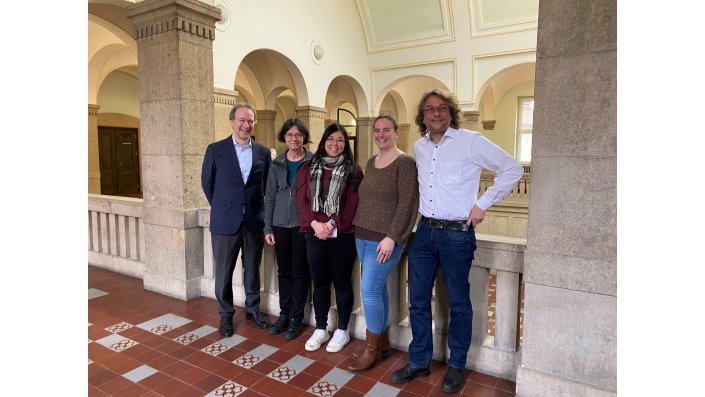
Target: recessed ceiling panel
[
  {"x": 503, "y": 16},
  {"x": 391, "y": 24}
]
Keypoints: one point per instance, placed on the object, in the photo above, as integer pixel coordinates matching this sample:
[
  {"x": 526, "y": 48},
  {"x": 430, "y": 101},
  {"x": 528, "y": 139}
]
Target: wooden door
[{"x": 119, "y": 161}]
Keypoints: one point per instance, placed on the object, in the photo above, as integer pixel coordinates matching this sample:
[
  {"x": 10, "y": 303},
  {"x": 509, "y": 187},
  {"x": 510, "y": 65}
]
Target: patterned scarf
[{"x": 330, "y": 203}]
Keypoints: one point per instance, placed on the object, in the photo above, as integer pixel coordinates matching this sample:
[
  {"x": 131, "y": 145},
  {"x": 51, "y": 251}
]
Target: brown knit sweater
[{"x": 388, "y": 201}]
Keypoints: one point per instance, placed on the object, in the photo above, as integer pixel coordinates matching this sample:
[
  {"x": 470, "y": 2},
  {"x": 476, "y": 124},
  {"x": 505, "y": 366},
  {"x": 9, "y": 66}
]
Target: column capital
[
  {"x": 154, "y": 17},
  {"x": 471, "y": 116},
  {"x": 313, "y": 112},
  {"x": 266, "y": 114},
  {"x": 364, "y": 121},
  {"x": 93, "y": 109},
  {"x": 488, "y": 124}
]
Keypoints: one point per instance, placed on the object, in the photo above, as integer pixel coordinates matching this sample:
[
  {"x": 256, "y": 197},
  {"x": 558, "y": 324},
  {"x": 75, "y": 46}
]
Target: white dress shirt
[
  {"x": 244, "y": 157},
  {"x": 449, "y": 174}
]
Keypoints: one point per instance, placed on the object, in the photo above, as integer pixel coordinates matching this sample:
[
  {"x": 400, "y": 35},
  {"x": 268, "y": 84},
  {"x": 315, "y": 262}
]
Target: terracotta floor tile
[
  {"x": 360, "y": 383},
  {"x": 247, "y": 377},
  {"x": 231, "y": 354},
  {"x": 95, "y": 392},
  {"x": 120, "y": 364},
  {"x": 190, "y": 392},
  {"x": 265, "y": 366},
  {"x": 506, "y": 385},
  {"x": 418, "y": 386},
  {"x": 487, "y": 380},
  {"x": 267, "y": 386},
  {"x": 115, "y": 385},
  {"x": 502, "y": 393},
  {"x": 210, "y": 382},
  {"x": 131, "y": 391},
  {"x": 96, "y": 351},
  {"x": 194, "y": 375},
  {"x": 303, "y": 380},
  {"x": 101, "y": 377},
  {"x": 177, "y": 369},
  {"x": 170, "y": 387},
  {"x": 183, "y": 352},
  {"x": 153, "y": 381},
  {"x": 216, "y": 365},
  {"x": 318, "y": 369},
  {"x": 473, "y": 389},
  {"x": 197, "y": 358}
]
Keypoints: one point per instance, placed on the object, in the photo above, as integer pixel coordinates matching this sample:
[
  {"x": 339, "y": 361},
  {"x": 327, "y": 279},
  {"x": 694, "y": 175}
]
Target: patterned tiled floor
[{"x": 141, "y": 343}]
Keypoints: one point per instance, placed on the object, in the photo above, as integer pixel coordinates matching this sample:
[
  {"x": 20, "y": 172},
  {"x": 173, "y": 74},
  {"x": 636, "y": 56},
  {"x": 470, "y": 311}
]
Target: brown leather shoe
[
  {"x": 369, "y": 357},
  {"x": 385, "y": 347}
]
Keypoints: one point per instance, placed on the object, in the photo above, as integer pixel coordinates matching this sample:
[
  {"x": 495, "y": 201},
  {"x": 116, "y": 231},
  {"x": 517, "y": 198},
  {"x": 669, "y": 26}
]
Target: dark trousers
[
  {"x": 331, "y": 260},
  {"x": 226, "y": 248},
  {"x": 292, "y": 269}
]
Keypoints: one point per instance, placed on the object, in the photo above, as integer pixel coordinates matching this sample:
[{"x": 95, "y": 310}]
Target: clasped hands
[{"x": 322, "y": 230}]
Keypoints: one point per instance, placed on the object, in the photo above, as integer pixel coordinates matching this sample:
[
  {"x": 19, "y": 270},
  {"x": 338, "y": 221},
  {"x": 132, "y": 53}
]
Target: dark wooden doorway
[{"x": 119, "y": 162}]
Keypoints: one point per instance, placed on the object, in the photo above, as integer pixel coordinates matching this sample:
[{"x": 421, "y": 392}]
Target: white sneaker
[
  {"x": 319, "y": 337},
  {"x": 338, "y": 342}
]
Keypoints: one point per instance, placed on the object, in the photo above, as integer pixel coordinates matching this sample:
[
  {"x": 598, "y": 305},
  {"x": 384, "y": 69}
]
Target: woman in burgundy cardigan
[{"x": 326, "y": 195}]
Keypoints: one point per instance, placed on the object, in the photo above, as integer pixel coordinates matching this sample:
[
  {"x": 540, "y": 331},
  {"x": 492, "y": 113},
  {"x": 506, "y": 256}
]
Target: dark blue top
[{"x": 291, "y": 172}]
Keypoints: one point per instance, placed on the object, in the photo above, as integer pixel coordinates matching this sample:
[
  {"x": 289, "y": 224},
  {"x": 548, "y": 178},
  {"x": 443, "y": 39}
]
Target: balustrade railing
[
  {"x": 115, "y": 234},
  {"x": 116, "y": 242}
]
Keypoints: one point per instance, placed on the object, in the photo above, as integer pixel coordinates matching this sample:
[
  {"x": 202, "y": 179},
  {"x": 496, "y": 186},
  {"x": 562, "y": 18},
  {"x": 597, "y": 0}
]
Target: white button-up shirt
[
  {"x": 449, "y": 174},
  {"x": 244, "y": 157}
]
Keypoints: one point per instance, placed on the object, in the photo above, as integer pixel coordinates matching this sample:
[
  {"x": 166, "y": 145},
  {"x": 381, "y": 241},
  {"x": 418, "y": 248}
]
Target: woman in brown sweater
[{"x": 386, "y": 213}]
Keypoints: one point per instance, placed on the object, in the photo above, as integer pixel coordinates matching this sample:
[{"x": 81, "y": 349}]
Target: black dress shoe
[
  {"x": 226, "y": 326},
  {"x": 453, "y": 380},
  {"x": 294, "y": 330},
  {"x": 259, "y": 318},
  {"x": 409, "y": 372},
  {"x": 279, "y": 327}
]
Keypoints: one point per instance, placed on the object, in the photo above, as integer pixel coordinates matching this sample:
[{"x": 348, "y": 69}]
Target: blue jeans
[
  {"x": 453, "y": 251},
  {"x": 373, "y": 286}
]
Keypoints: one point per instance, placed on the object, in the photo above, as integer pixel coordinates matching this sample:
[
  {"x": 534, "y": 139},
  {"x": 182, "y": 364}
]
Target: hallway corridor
[{"x": 141, "y": 343}]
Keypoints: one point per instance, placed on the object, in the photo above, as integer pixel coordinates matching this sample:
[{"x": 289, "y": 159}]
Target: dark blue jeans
[{"x": 453, "y": 251}]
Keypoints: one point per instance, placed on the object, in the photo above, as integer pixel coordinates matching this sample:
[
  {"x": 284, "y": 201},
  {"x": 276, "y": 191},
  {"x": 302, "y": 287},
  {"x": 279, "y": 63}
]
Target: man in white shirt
[{"x": 449, "y": 161}]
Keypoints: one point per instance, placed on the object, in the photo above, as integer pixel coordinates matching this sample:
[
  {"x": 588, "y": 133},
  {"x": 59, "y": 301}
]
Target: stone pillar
[
  {"x": 265, "y": 128},
  {"x": 314, "y": 119},
  {"x": 468, "y": 120},
  {"x": 93, "y": 151},
  {"x": 224, "y": 100},
  {"x": 175, "y": 53},
  {"x": 570, "y": 313},
  {"x": 366, "y": 147},
  {"x": 403, "y": 142}
]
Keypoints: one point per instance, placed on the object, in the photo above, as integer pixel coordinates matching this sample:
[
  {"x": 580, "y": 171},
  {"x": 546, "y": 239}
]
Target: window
[{"x": 525, "y": 127}]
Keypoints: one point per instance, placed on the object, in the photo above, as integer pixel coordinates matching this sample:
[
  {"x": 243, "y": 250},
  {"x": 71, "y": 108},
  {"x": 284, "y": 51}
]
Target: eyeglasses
[
  {"x": 292, "y": 136},
  {"x": 339, "y": 141},
  {"x": 440, "y": 108}
]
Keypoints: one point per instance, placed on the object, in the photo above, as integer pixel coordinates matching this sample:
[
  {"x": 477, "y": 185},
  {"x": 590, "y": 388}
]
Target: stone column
[
  {"x": 365, "y": 143},
  {"x": 570, "y": 313},
  {"x": 93, "y": 151},
  {"x": 469, "y": 119},
  {"x": 314, "y": 119},
  {"x": 224, "y": 100},
  {"x": 404, "y": 139},
  {"x": 265, "y": 128},
  {"x": 175, "y": 53}
]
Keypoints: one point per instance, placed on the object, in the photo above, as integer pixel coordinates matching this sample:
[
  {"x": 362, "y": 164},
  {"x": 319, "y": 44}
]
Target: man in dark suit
[{"x": 233, "y": 178}]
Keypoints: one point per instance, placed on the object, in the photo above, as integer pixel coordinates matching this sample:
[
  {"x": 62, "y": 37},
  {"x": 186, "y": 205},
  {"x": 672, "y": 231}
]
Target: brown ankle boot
[
  {"x": 369, "y": 357},
  {"x": 384, "y": 346}
]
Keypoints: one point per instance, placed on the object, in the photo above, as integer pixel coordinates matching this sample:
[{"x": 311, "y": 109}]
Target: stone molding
[
  {"x": 471, "y": 116},
  {"x": 488, "y": 124},
  {"x": 93, "y": 109},
  {"x": 266, "y": 114},
  {"x": 225, "y": 97},
  {"x": 310, "y": 112},
  {"x": 364, "y": 121},
  {"x": 152, "y": 18}
]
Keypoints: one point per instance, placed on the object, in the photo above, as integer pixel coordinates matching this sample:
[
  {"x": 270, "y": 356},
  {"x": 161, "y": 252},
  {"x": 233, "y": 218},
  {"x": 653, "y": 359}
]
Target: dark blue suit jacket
[{"x": 227, "y": 193}]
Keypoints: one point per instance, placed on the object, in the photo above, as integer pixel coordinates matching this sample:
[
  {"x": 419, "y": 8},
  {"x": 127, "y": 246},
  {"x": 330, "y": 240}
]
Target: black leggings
[
  {"x": 332, "y": 260},
  {"x": 292, "y": 269}
]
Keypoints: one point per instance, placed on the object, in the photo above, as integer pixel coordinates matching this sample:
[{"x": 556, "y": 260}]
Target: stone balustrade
[{"x": 116, "y": 243}]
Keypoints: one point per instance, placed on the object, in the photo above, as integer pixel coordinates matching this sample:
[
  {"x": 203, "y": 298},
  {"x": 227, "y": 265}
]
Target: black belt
[{"x": 458, "y": 226}]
